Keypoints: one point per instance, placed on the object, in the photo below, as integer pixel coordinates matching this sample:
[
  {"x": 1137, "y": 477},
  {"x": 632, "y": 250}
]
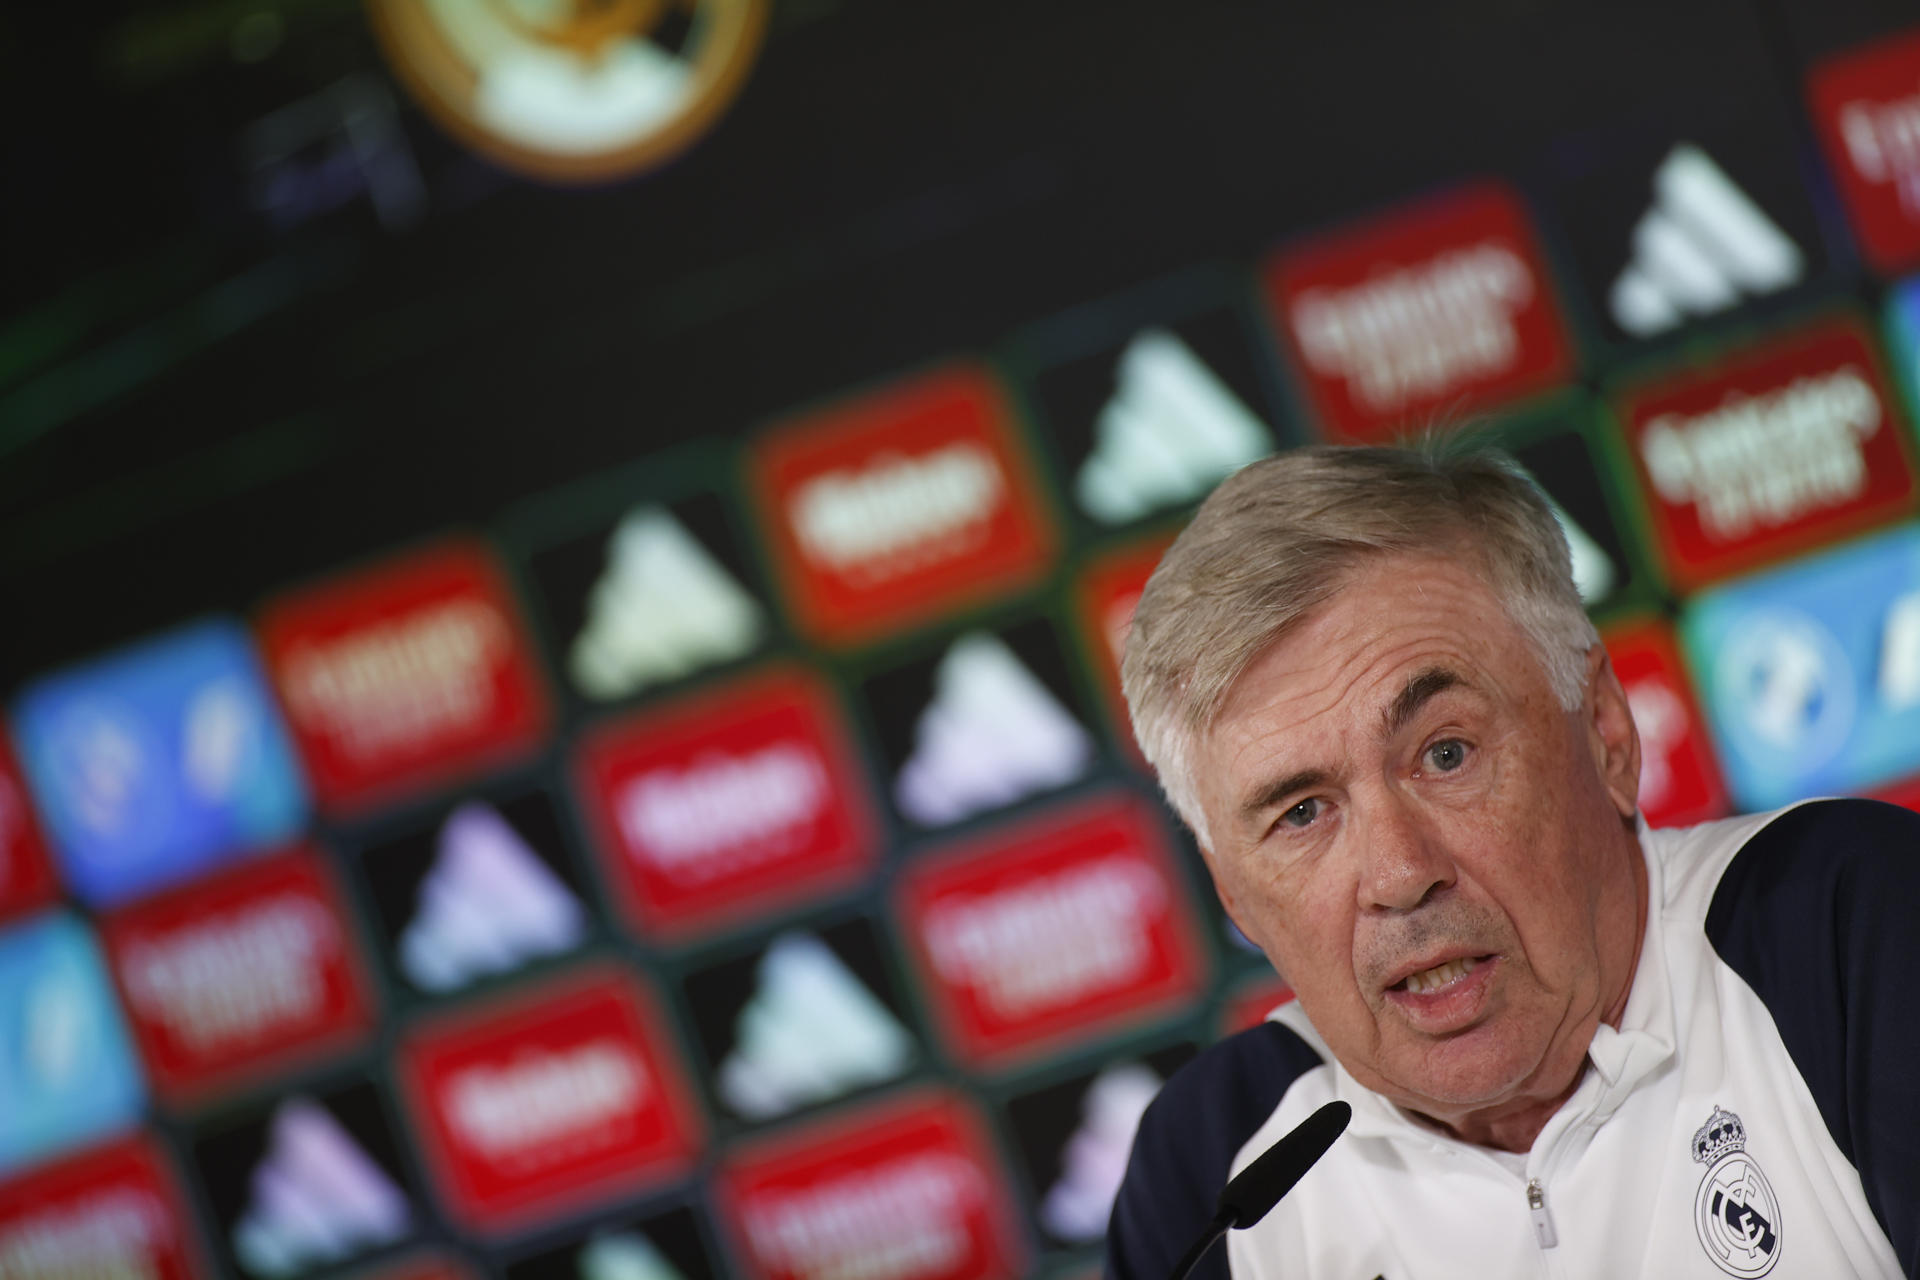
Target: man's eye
[
  {"x": 1302, "y": 814},
  {"x": 1447, "y": 755}
]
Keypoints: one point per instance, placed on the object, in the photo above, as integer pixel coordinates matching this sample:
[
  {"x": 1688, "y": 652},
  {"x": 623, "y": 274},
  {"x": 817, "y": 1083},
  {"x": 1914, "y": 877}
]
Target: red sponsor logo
[
  {"x": 1252, "y": 1002},
  {"x": 225, "y": 978},
  {"x": 26, "y": 876},
  {"x": 901, "y": 505},
  {"x": 1679, "y": 781},
  {"x": 110, "y": 1211},
  {"x": 1793, "y": 442},
  {"x": 405, "y": 674},
  {"x": 1109, "y": 591},
  {"x": 1073, "y": 923},
  {"x": 1433, "y": 309},
  {"x": 907, "y": 1190},
  {"x": 1867, "y": 108},
  {"x": 721, "y": 805},
  {"x": 558, "y": 1099}
]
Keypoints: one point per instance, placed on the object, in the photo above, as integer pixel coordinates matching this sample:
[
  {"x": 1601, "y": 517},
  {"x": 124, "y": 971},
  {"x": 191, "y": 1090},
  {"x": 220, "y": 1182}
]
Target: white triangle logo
[
  {"x": 624, "y": 1255},
  {"x": 811, "y": 1031},
  {"x": 314, "y": 1198},
  {"x": 992, "y": 734},
  {"x": 1171, "y": 431},
  {"x": 664, "y": 607},
  {"x": 1593, "y": 572},
  {"x": 487, "y": 905},
  {"x": 1094, "y": 1160},
  {"x": 1703, "y": 247}
]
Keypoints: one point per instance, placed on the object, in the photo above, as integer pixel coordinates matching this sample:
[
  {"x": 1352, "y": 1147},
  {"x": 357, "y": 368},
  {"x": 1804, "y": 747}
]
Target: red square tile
[
  {"x": 714, "y": 808},
  {"x": 1110, "y": 588},
  {"x": 1679, "y": 777},
  {"x": 1769, "y": 451},
  {"x": 227, "y": 979},
  {"x": 1431, "y": 310},
  {"x": 1866, "y": 107},
  {"x": 1073, "y": 924},
  {"x": 891, "y": 509},
  {"x": 907, "y": 1189},
  {"x": 409, "y": 673},
  {"x": 556, "y": 1099},
  {"x": 26, "y": 873},
  {"x": 109, "y": 1211}
]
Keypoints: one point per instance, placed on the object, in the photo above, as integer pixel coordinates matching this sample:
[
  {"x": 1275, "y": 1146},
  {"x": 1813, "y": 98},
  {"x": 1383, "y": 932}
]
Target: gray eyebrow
[
  {"x": 1274, "y": 792},
  {"x": 1419, "y": 691}
]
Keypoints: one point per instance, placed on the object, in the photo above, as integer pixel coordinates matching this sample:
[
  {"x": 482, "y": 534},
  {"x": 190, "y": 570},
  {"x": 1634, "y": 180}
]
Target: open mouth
[{"x": 1440, "y": 976}]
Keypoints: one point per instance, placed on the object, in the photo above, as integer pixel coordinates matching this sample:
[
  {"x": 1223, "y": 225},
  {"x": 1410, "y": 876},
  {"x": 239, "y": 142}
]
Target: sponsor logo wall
[{"x": 740, "y": 865}]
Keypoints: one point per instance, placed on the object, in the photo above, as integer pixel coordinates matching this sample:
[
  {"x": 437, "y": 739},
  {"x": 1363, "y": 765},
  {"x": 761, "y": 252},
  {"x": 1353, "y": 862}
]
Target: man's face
[{"x": 1426, "y": 844}]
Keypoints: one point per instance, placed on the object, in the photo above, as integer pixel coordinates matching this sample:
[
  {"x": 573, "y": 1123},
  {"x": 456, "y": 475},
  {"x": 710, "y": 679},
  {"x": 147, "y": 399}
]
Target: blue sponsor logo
[
  {"x": 67, "y": 1070},
  {"x": 1903, "y": 339},
  {"x": 158, "y": 762},
  {"x": 1811, "y": 673}
]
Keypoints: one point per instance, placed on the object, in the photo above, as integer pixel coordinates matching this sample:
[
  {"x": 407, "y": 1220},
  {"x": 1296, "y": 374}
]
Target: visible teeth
[{"x": 1440, "y": 975}]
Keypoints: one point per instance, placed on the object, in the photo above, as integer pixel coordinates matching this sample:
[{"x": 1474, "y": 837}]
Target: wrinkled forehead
[{"x": 1397, "y": 625}]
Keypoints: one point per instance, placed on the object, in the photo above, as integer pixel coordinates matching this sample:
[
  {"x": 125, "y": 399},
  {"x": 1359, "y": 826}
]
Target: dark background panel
[{"x": 896, "y": 182}]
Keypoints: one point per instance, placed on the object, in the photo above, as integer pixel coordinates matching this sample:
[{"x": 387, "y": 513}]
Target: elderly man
[{"x": 1573, "y": 1046}]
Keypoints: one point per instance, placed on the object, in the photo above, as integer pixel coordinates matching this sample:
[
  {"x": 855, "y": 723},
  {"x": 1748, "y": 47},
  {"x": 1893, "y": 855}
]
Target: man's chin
[{"x": 1464, "y": 1073}]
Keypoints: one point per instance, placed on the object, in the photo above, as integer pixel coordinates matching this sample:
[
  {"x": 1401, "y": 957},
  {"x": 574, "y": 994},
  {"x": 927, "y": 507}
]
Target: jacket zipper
[{"x": 1543, "y": 1232}]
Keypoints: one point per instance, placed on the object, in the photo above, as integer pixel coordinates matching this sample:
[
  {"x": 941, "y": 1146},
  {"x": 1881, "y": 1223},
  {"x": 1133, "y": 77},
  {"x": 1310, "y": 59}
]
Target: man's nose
[{"x": 1405, "y": 861}]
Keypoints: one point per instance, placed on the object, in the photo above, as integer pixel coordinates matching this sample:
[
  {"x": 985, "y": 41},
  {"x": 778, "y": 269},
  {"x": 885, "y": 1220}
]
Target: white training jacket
[{"x": 1754, "y": 1115}]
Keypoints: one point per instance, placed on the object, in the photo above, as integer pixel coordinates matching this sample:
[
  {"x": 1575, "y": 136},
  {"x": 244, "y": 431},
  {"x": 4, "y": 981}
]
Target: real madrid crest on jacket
[
  {"x": 1755, "y": 1114},
  {"x": 1736, "y": 1212}
]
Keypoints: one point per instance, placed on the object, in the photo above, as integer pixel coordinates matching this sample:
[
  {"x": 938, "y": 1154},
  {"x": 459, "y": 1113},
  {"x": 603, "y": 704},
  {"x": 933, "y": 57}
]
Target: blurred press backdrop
[{"x": 560, "y": 565}]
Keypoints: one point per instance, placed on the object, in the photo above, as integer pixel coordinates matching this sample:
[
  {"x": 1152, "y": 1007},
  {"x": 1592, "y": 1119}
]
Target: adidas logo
[
  {"x": 1170, "y": 432},
  {"x": 316, "y": 1198},
  {"x": 624, "y": 1255},
  {"x": 992, "y": 734},
  {"x": 1593, "y": 571},
  {"x": 663, "y": 607},
  {"x": 811, "y": 1031},
  {"x": 487, "y": 905},
  {"x": 1702, "y": 247},
  {"x": 1094, "y": 1160}
]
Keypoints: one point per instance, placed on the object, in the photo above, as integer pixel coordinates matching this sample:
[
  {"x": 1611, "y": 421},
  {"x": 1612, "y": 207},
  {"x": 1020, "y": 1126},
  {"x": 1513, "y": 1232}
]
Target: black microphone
[{"x": 1261, "y": 1184}]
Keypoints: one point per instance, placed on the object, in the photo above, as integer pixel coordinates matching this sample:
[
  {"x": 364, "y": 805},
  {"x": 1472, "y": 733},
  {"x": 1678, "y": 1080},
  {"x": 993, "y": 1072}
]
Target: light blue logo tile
[
  {"x": 67, "y": 1068},
  {"x": 155, "y": 763},
  {"x": 1903, "y": 340},
  {"x": 1811, "y": 673}
]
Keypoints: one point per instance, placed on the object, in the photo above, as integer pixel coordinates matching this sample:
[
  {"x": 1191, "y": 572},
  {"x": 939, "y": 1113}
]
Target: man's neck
[{"x": 1516, "y": 1125}]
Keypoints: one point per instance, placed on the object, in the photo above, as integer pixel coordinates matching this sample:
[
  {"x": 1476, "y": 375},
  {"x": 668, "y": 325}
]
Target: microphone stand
[{"x": 1247, "y": 1198}]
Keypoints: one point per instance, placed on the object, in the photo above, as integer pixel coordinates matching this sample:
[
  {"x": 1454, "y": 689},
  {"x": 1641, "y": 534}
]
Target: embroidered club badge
[{"x": 1735, "y": 1213}]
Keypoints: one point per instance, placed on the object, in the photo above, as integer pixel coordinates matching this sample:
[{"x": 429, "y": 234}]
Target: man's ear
[{"x": 1611, "y": 734}]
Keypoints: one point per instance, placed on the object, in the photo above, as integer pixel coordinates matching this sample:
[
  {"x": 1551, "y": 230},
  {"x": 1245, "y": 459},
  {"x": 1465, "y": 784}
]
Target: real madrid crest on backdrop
[
  {"x": 1735, "y": 1213},
  {"x": 586, "y": 90}
]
